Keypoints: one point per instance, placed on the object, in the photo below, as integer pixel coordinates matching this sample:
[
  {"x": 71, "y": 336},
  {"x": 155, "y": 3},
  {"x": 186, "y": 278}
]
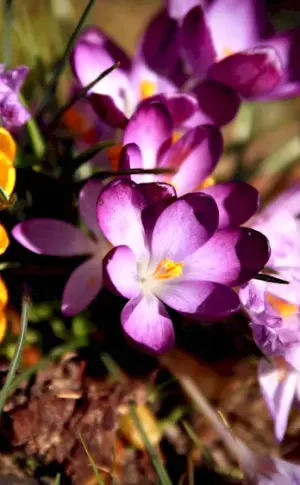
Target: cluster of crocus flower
[
  {"x": 274, "y": 309},
  {"x": 12, "y": 112}
]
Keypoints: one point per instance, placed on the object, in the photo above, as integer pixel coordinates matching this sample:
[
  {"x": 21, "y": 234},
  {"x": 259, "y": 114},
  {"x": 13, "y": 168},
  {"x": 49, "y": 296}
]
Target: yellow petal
[
  {"x": 3, "y": 325},
  {"x": 4, "y": 242},
  {"x": 130, "y": 431},
  {"x": 7, "y": 145},
  {"x": 7, "y": 176}
]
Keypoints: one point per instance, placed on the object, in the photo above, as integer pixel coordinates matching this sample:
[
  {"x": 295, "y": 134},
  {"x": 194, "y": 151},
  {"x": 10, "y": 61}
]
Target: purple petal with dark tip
[
  {"x": 119, "y": 212},
  {"x": 183, "y": 227},
  {"x": 88, "y": 197},
  {"x": 197, "y": 42},
  {"x": 145, "y": 320},
  {"x": 106, "y": 108},
  {"x": 236, "y": 201},
  {"x": 218, "y": 103},
  {"x": 203, "y": 300},
  {"x": 252, "y": 73}
]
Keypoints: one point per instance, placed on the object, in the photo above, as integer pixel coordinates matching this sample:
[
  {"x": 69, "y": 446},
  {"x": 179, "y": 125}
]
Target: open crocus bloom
[
  {"x": 58, "y": 238},
  {"x": 153, "y": 72},
  {"x": 239, "y": 50},
  {"x": 148, "y": 143},
  {"x": 172, "y": 253},
  {"x": 280, "y": 385},
  {"x": 274, "y": 308},
  {"x": 12, "y": 113}
]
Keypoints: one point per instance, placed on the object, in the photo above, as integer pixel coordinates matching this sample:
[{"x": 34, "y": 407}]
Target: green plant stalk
[
  {"x": 35, "y": 135},
  {"x": 61, "y": 63},
  {"x": 159, "y": 468},
  {"x": 5, "y": 391},
  {"x": 7, "y": 21},
  {"x": 57, "y": 479},
  {"x": 91, "y": 460}
]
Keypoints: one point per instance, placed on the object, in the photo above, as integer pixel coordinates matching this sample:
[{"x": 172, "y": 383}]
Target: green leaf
[
  {"x": 7, "y": 21},
  {"x": 5, "y": 391},
  {"x": 162, "y": 473},
  {"x": 50, "y": 89},
  {"x": 92, "y": 463}
]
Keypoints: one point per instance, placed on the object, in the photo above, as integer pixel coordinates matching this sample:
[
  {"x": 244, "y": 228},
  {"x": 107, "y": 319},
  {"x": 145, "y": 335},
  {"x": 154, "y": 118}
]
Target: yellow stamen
[
  {"x": 225, "y": 53},
  {"x": 208, "y": 182},
  {"x": 284, "y": 308},
  {"x": 147, "y": 89},
  {"x": 177, "y": 134},
  {"x": 113, "y": 154},
  {"x": 7, "y": 145},
  {"x": 167, "y": 269},
  {"x": 4, "y": 242}
]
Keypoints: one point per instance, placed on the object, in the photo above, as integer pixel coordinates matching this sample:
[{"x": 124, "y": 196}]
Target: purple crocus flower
[
  {"x": 58, "y": 238},
  {"x": 280, "y": 386},
  {"x": 172, "y": 253},
  {"x": 154, "y": 71},
  {"x": 238, "y": 50},
  {"x": 12, "y": 113},
  {"x": 147, "y": 144},
  {"x": 274, "y": 308}
]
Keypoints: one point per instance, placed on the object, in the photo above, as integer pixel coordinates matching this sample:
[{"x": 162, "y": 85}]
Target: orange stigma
[
  {"x": 281, "y": 306},
  {"x": 167, "y": 269},
  {"x": 147, "y": 89},
  {"x": 225, "y": 53}
]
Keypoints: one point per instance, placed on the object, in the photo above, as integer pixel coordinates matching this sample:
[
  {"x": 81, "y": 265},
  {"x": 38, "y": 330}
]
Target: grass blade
[
  {"x": 7, "y": 21},
  {"x": 90, "y": 153},
  {"x": 81, "y": 93},
  {"x": 61, "y": 63},
  {"x": 15, "y": 361},
  {"x": 91, "y": 460},
  {"x": 35, "y": 135},
  {"x": 157, "y": 464},
  {"x": 57, "y": 479},
  {"x": 270, "y": 279}
]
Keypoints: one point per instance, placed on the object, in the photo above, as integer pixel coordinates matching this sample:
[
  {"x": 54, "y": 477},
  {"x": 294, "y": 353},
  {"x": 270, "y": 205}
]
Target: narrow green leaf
[
  {"x": 91, "y": 460},
  {"x": 35, "y": 135},
  {"x": 80, "y": 94},
  {"x": 4, "y": 393},
  {"x": 206, "y": 453},
  {"x": 57, "y": 479},
  {"x": 7, "y": 21},
  {"x": 4, "y": 197},
  {"x": 91, "y": 152},
  {"x": 270, "y": 279},
  {"x": 112, "y": 367},
  {"x": 61, "y": 63},
  {"x": 156, "y": 461}
]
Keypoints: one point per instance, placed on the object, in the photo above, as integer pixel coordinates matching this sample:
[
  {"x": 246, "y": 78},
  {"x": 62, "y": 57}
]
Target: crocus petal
[
  {"x": 107, "y": 110},
  {"x": 7, "y": 175},
  {"x": 183, "y": 227},
  {"x": 181, "y": 106},
  {"x": 200, "y": 299},
  {"x": 157, "y": 191},
  {"x": 194, "y": 157},
  {"x": 13, "y": 114},
  {"x": 93, "y": 53},
  {"x": 52, "y": 237},
  {"x": 121, "y": 272},
  {"x": 218, "y": 103},
  {"x": 197, "y": 42},
  {"x": 13, "y": 78},
  {"x": 151, "y": 129},
  {"x": 177, "y": 9},
  {"x": 119, "y": 212},
  {"x": 236, "y": 201},
  {"x": 131, "y": 158},
  {"x": 146, "y": 321},
  {"x": 7, "y": 145},
  {"x": 252, "y": 73},
  {"x": 236, "y": 25},
  {"x": 4, "y": 241},
  {"x": 278, "y": 388},
  {"x": 160, "y": 44},
  {"x": 82, "y": 287},
  {"x": 88, "y": 197},
  {"x": 231, "y": 257}
]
